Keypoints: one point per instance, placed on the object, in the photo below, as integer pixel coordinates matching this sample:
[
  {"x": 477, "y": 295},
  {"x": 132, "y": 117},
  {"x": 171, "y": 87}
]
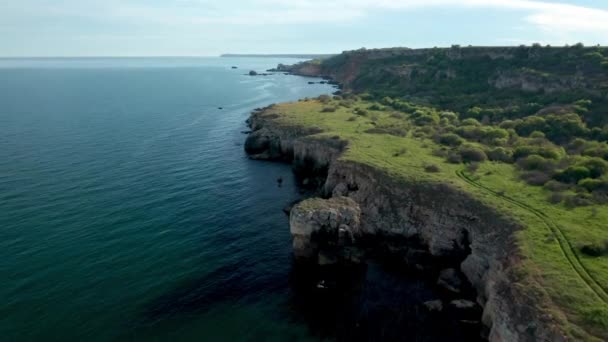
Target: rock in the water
[
  {"x": 450, "y": 280},
  {"x": 462, "y": 304},
  {"x": 326, "y": 258},
  {"x": 253, "y": 73},
  {"x": 465, "y": 309},
  {"x": 434, "y": 305},
  {"x": 317, "y": 224}
]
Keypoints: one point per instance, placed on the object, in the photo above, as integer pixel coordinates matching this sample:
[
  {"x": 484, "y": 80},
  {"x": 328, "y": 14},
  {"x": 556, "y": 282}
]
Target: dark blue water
[{"x": 128, "y": 207}]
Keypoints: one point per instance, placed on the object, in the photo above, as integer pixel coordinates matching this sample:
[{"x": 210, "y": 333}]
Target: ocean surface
[{"x": 129, "y": 211}]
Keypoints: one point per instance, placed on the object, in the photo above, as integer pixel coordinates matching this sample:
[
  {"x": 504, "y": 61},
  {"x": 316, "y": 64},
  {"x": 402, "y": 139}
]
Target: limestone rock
[
  {"x": 450, "y": 280},
  {"x": 321, "y": 224},
  {"x": 434, "y": 305}
]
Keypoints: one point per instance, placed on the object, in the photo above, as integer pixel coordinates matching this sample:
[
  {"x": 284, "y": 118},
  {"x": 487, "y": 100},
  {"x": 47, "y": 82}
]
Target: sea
[{"x": 129, "y": 211}]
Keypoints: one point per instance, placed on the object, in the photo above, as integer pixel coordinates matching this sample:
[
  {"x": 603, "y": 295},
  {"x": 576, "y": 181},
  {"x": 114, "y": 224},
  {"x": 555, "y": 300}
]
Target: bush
[
  {"x": 578, "y": 200},
  {"x": 422, "y": 119},
  {"x": 360, "y": 111},
  {"x": 472, "y": 167},
  {"x": 347, "y": 103},
  {"x": 470, "y": 122},
  {"x": 537, "y": 135},
  {"x": 595, "y": 249},
  {"x": 432, "y": 168},
  {"x": 450, "y": 139},
  {"x": 328, "y": 110},
  {"x": 536, "y": 163},
  {"x": 547, "y": 152},
  {"x": 500, "y": 154},
  {"x": 554, "y": 185},
  {"x": 397, "y": 115},
  {"x": 324, "y": 99},
  {"x": 375, "y": 107},
  {"x": 536, "y": 177},
  {"x": 591, "y": 184},
  {"x": 555, "y": 197},
  {"x": 454, "y": 158},
  {"x": 470, "y": 153},
  {"x": 597, "y": 167},
  {"x": 441, "y": 152},
  {"x": 573, "y": 174}
]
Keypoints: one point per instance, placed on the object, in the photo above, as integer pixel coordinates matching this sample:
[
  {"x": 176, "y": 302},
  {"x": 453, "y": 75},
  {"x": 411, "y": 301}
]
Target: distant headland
[{"x": 306, "y": 56}]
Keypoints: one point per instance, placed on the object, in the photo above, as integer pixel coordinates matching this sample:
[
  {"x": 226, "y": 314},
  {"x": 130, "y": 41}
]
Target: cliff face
[{"x": 445, "y": 222}]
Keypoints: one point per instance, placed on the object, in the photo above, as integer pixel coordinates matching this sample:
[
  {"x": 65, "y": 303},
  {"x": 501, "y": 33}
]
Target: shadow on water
[
  {"x": 377, "y": 302},
  {"x": 229, "y": 283}
]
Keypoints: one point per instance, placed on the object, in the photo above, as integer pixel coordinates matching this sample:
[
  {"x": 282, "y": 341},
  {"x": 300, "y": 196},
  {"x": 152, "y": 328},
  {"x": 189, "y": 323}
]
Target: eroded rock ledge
[{"x": 414, "y": 221}]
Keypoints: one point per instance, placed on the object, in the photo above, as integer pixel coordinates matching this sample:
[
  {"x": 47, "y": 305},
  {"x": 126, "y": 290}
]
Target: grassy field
[{"x": 572, "y": 286}]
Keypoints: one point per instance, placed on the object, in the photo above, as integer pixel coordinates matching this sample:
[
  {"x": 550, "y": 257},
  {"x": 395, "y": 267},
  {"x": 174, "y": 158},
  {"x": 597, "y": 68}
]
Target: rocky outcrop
[
  {"x": 445, "y": 222},
  {"x": 324, "y": 229}
]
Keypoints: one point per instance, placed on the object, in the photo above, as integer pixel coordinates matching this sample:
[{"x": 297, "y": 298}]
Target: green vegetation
[{"x": 546, "y": 171}]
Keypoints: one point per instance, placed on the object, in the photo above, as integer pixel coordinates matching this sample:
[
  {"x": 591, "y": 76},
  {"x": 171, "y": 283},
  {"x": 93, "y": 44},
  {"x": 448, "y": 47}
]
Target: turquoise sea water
[{"x": 129, "y": 212}]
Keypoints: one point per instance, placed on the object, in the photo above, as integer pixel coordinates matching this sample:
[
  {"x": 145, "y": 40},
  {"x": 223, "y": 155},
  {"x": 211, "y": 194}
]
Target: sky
[{"x": 208, "y": 28}]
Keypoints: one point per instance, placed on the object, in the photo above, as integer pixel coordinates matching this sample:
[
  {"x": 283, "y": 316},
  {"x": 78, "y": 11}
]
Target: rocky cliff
[
  {"x": 416, "y": 221},
  {"x": 550, "y": 73}
]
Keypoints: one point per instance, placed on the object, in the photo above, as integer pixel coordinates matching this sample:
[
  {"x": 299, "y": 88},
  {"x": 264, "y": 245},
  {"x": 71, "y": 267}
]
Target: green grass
[{"x": 570, "y": 285}]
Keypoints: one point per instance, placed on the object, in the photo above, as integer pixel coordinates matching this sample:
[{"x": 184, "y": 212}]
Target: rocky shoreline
[{"x": 435, "y": 229}]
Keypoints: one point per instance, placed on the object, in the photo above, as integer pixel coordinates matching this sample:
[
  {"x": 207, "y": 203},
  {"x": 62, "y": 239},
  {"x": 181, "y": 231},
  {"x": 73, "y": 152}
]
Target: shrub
[
  {"x": 328, "y": 110},
  {"x": 324, "y": 99},
  {"x": 449, "y": 116},
  {"x": 535, "y": 177},
  {"x": 500, "y": 154},
  {"x": 472, "y": 167},
  {"x": 454, "y": 158},
  {"x": 578, "y": 200},
  {"x": 555, "y": 197},
  {"x": 375, "y": 107},
  {"x": 425, "y": 119},
  {"x": 470, "y": 153},
  {"x": 338, "y": 98},
  {"x": 347, "y": 103},
  {"x": 441, "y": 152},
  {"x": 591, "y": 184},
  {"x": 595, "y": 249},
  {"x": 397, "y": 115},
  {"x": 547, "y": 152},
  {"x": 597, "y": 167},
  {"x": 360, "y": 111},
  {"x": 536, "y": 163},
  {"x": 450, "y": 139},
  {"x": 554, "y": 185},
  {"x": 432, "y": 168},
  {"x": 470, "y": 122},
  {"x": 573, "y": 174},
  {"x": 508, "y": 124},
  {"x": 537, "y": 135}
]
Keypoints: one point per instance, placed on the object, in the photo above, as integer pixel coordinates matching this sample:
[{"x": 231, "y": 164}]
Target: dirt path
[{"x": 564, "y": 243}]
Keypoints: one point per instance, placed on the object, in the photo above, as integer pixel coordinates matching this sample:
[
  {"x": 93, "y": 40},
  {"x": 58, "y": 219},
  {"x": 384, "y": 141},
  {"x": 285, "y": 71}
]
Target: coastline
[{"x": 438, "y": 221}]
